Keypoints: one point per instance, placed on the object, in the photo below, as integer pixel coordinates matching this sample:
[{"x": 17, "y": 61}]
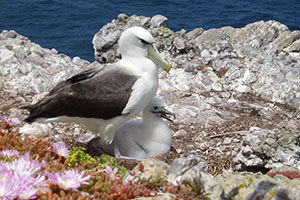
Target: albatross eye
[
  {"x": 144, "y": 41},
  {"x": 155, "y": 109}
]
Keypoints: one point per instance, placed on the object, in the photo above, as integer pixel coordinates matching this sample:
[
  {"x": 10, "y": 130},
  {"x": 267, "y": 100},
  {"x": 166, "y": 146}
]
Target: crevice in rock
[{"x": 255, "y": 169}]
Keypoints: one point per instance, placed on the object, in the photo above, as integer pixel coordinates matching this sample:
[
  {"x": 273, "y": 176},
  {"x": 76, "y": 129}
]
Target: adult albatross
[
  {"x": 102, "y": 99},
  {"x": 139, "y": 139}
]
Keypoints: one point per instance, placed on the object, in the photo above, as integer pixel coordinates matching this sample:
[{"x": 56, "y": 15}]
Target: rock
[
  {"x": 179, "y": 43},
  {"x": 228, "y": 185},
  {"x": 265, "y": 188},
  {"x": 227, "y": 141},
  {"x": 11, "y": 34},
  {"x": 103, "y": 42},
  {"x": 151, "y": 170},
  {"x": 243, "y": 89},
  {"x": 257, "y": 186},
  {"x": 211, "y": 187},
  {"x": 122, "y": 17},
  {"x": 35, "y": 130},
  {"x": 269, "y": 149},
  {"x": 27, "y": 72},
  {"x": 159, "y": 196},
  {"x": 284, "y": 40},
  {"x": 180, "y": 132},
  {"x": 294, "y": 47},
  {"x": 186, "y": 168},
  {"x": 76, "y": 60},
  {"x": 6, "y": 54},
  {"x": 159, "y": 20},
  {"x": 191, "y": 67},
  {"x": 189, "y": 168},
  {"x": 194, "y": 33}
]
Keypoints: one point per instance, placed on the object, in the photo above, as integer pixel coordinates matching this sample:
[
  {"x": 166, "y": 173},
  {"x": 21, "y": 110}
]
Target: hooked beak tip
[{"x": 168, "y": 68}]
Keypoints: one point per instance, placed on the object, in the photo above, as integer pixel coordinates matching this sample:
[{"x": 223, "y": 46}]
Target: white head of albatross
[
  {"x": 140, "y": 139},
  {"x": 136, "y": 44},
  {"x": 104, "y": 98}
]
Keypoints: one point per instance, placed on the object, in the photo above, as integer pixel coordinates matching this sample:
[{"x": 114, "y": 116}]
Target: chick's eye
[
  {"x": 155, "y": 107},
  {"x": 144, "y": 41}
]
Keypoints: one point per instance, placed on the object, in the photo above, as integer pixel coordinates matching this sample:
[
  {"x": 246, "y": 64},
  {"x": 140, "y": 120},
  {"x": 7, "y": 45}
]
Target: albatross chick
[{"x": 140, "y": 139}]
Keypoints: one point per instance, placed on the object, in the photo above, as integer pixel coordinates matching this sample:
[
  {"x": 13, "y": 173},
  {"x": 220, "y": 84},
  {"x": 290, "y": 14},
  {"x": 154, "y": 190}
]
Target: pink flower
[
  {"x": 69, "y": 179},
  {"x": 8, "y": 188},
  {"x": 21, "y": 178},
  {"x": 28, "y": 192},
  {"x": 16, "y": 186},
  {"x": 24, "y": 165},
  {"x": 9, "y": 121},
  {"x": 110, "y": 172},
  {"x": 60, "y": 150},
  {"x": 9, "y": 153}
]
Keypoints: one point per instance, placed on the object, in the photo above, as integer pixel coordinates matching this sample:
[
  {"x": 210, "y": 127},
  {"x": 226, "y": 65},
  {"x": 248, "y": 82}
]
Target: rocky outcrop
[
  {"x": 228, "y": 185},
  {"x": 28, "y": 71},
  {"x": 235, "y": 92}
]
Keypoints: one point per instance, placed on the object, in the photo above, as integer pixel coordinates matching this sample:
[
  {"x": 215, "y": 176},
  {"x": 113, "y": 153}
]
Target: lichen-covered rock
[{"x": 247, "y": 185}]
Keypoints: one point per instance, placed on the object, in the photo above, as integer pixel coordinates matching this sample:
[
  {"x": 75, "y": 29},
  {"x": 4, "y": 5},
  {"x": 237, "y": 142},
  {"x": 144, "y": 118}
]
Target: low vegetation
[{"x": 37, "y": 169}]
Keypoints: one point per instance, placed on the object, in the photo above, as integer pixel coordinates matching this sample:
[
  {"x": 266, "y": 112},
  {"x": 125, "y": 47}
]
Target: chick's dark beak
[{"x": 164, "y": 113}]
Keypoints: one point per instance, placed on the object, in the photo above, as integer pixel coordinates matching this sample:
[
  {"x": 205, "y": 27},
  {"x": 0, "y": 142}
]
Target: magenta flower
[
  {"x": 9, "y": 153},
  {"x": 112, "y": 173},
  {"x": 69, "y": 179},
  {"x": 60, "y": 150}
]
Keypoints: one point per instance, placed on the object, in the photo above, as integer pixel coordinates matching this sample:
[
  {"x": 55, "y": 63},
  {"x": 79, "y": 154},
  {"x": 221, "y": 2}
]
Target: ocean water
[{"x": 69, "y": 25}]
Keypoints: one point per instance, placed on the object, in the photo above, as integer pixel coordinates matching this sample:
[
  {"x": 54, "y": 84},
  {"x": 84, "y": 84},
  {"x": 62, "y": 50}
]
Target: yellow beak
[{"x": 154, "y": 55}]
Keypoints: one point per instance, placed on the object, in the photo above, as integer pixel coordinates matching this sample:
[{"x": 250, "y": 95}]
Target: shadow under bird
[
  {"x": 103, "y": 98},
  {"x": 139, "y": 139}
]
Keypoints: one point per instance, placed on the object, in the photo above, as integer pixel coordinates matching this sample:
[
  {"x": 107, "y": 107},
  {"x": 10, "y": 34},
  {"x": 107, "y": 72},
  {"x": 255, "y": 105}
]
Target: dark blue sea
[{"x": 69, "y": 25}]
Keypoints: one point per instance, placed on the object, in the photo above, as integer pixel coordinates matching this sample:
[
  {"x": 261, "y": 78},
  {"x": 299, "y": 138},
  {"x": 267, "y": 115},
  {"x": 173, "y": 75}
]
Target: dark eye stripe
[{"x": 144, "y": 41}]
